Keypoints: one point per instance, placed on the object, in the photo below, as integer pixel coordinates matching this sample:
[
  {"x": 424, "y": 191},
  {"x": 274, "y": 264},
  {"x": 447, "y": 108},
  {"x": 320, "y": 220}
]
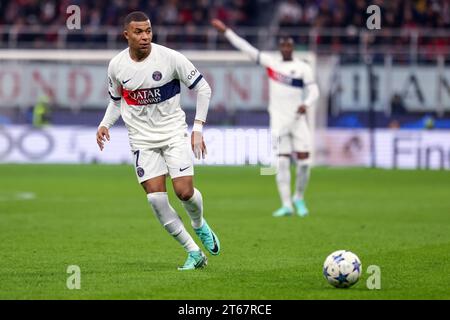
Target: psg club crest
[
  {"x": 157, "y": 76},
  {"x": 140, "y": 172}
]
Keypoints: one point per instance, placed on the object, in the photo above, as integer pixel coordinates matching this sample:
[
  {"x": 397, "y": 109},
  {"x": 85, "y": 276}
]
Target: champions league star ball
[{"x": 342, "y": 269}]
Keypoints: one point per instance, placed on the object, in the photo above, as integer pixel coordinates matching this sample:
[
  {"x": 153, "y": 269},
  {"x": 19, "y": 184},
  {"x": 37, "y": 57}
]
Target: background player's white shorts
[
  {"x": 295, "y": 138},
  {"x": 174, "y": 159}
]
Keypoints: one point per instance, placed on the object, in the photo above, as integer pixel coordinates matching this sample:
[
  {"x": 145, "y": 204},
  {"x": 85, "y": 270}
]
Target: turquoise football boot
[
  {"x": 195, "y": 260},
  {"x": 300, "y": 207},
  {"x": 208, "y": 238},
  {"x": 283, "y": 212}
]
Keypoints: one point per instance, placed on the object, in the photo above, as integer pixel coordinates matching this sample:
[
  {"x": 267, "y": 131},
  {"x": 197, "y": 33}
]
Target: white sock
[
  {"x": 284, "y": 180},
  {"x": 170, "y": 220},
  {"x": 194, "y": 208},
  {"x": 301, "y": 182}
]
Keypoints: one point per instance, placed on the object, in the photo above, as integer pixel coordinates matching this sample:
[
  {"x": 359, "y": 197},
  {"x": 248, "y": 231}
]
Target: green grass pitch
[{"x": 97, "y": 217}]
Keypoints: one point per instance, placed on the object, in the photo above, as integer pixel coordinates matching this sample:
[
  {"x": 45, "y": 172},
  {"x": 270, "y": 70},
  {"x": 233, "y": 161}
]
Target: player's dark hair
[
  {"x": 285, "y": 38},
  {"x": 135, "y": 16}
]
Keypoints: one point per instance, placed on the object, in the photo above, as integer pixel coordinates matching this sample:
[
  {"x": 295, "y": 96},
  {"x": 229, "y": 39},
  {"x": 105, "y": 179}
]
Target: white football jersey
[
  {"x": 287, "y": 83},
  {"x": 149, "y": 92}
]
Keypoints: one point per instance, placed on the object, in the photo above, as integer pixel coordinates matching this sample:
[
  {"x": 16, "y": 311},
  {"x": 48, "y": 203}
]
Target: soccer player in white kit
[
  {"x": 144, "y": 87},
  {"x": 292, "y": 93}
]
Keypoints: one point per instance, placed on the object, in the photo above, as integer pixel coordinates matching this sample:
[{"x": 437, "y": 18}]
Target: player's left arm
[
  {"x": 311, "y": 88},
  {"x": 194, "y": 80}
]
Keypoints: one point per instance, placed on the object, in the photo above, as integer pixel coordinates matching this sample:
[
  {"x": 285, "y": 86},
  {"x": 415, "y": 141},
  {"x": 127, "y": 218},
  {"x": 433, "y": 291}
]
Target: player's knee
[
  {"x": 185, "y": 194},
  {"x": 152, "y": 187}
]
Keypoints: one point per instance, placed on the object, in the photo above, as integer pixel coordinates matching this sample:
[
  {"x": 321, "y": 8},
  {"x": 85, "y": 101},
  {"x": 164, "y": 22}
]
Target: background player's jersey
[
  {"x": 149, "y": 91},
  {"x": 287, "y": 83}
]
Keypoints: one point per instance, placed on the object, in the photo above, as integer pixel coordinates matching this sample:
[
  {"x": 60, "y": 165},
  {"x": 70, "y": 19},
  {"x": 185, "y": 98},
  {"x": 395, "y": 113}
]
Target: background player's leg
[
  {"x": 282, "y": 145},
  {"x": 303, "y": 173},
  {"x": 192, "y": 201},
  {"x": 159, "y": 201},
  {"x": 283, "y": 179},
  {"x": 302, "y": 145}
]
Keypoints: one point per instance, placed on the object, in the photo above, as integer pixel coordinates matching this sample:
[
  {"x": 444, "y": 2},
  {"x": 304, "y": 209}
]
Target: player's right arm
[
  {"x": 112, "y": 113},
  {"x": 241, "y": 44}
]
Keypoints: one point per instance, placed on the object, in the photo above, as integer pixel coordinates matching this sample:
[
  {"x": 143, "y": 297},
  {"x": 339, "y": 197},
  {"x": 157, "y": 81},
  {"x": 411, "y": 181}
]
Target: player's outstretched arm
[
  {"x": 236, "y": 41},
  {"x": 219, "y": 25}
]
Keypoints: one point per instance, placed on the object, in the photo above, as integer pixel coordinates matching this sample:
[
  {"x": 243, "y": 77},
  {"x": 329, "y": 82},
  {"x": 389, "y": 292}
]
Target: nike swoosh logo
[
  {"x": 203, "y": 261},
  {"x": 123, "y": 82},
  {"x": 216, "y": 248},
  {"x": 178, "y": 234},
  {"x": 184, "y": 168}
]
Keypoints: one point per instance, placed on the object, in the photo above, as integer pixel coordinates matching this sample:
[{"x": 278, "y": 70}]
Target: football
[{"x": 342, "y": 269}]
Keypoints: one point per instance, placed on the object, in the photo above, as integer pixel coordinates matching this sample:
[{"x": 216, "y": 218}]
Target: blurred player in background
[
  {"x": 144, "y": 86},
  {"x": 292, "y": 93},
  {"x": 42, "y": 112}
]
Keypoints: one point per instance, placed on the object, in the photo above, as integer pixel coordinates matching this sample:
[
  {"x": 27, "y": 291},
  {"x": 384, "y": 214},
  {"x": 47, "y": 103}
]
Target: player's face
[
  {"x": 286, "y": 48},
  {"x": 139, "y": 35}
]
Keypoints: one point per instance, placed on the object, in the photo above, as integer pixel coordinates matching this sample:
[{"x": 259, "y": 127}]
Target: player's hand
[
  {"x": 219, "y": 25},
  {"x": 102, "y": 136},
  {"x": 301, "y": 109},
  {"x": 198, "y": 145}
]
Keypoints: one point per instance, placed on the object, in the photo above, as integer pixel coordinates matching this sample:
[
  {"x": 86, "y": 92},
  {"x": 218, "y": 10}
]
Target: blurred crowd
[
  {"x": 337, "y": 22},
  {"x": 111, "y": 12},
  {"x": 342, "y": 13},
  {"x": 287, "y": 13},
  {"x": 332, "y": 26},
  {"x": 404, "y": 24}
]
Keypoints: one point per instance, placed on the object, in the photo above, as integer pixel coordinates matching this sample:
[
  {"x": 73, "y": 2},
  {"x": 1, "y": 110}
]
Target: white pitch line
[{"x": 18, "y": 196}]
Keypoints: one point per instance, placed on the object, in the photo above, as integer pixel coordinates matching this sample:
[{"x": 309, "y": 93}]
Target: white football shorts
[
  {"x": 294, "y": 138},
  {"x": 174, "y": 159}
]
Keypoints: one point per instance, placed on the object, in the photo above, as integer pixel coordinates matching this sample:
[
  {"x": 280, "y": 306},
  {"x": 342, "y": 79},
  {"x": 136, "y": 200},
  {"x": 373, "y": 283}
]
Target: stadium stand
[{"x": 414, "y": 34}]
